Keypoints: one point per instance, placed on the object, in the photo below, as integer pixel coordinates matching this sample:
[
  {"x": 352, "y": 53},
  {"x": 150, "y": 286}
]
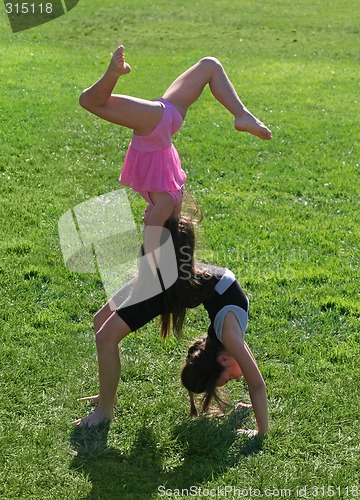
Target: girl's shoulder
[
  {"x": 207, "y": 277},
  {"x": 201, "y": 287}
]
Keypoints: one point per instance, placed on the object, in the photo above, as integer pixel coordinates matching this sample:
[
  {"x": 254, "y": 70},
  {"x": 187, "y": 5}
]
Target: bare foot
[
  {"x": 95, "y": 418},
  {"x": 118, "y": 64},
  {"x": 247, "y": 122}
]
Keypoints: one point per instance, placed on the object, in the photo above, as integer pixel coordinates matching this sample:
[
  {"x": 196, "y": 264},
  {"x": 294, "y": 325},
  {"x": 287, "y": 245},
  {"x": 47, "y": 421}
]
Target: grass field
[{"x": 283, "y": 215}]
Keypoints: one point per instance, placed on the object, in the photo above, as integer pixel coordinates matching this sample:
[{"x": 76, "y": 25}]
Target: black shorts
[
  {"x": 139, "y": 314},
  {"x": 224, "y": 292}
]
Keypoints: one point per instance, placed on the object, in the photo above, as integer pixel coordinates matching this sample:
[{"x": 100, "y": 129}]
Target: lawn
[{"x": 283, "y": 215}]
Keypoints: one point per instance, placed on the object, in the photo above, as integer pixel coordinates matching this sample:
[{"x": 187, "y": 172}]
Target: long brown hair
[
  {"x": 201, "y": 372},
  {"x": 177, "y": 297}
]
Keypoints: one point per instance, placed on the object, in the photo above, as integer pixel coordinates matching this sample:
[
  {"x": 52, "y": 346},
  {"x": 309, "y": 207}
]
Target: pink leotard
[{"x": 152, "y": 162}]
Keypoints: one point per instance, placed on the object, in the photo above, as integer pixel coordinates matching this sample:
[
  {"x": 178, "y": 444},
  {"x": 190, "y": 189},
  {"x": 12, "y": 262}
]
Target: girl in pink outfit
[{"x": 152, "y": 165}]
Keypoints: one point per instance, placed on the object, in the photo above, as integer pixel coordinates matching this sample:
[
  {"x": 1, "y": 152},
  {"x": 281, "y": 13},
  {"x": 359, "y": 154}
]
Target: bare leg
[
  {"x": 102, "y": 316},
  {"x": 107, "y": 340},
  {"x": 187, "y": 88},
  {"x": 138, "y": 114}
]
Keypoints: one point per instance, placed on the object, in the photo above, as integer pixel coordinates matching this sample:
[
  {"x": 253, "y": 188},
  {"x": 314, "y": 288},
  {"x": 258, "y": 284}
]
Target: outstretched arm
[
  {"x": 234, "y": 344},
  {"x": 154, "y": 224}
]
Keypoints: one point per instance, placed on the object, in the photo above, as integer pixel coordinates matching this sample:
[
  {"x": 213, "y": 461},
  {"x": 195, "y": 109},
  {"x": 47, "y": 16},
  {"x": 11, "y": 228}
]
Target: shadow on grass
[{"x": 207, "y": 447}]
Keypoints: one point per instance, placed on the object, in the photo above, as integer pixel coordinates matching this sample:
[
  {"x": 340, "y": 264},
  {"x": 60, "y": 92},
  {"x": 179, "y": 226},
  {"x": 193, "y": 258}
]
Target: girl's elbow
[{"x": 83, "y": 100}]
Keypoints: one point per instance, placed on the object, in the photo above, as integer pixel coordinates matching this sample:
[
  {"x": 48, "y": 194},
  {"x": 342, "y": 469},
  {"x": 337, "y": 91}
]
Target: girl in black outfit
[{"x": 213, "y": 360}]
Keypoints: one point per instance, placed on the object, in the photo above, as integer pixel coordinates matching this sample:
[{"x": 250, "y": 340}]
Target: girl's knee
[
  {"x": 104, "y": 338},
  {"x": 211, "y": 62},
  {"x": 111, "y": 332}
]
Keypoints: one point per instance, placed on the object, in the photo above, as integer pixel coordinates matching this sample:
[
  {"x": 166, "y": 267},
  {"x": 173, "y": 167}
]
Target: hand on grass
[
  {"x": 251, "y": 433},
  {"x": 245, "y": 432},
  {"x": 242, "y": 405}
]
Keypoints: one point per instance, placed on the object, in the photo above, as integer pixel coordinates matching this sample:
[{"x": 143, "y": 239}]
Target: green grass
[{"x": 282, "y": 214}]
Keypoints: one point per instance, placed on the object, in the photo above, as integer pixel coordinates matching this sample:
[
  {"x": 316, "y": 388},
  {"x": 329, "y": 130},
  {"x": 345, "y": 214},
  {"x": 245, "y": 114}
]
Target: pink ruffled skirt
[{"x": 152, "y": 162}]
